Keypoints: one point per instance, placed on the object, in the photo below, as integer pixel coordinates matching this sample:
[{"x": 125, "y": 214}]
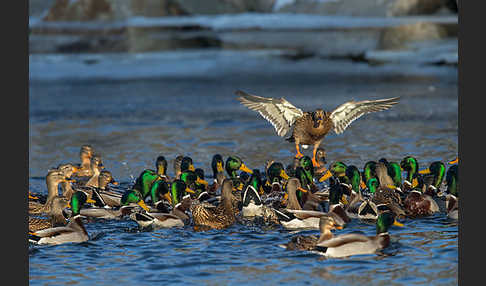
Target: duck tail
[{"x": 33, "y": 238}]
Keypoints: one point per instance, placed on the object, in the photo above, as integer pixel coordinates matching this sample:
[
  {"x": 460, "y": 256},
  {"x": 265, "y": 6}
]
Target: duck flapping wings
[{"x": 282, "y": 114}]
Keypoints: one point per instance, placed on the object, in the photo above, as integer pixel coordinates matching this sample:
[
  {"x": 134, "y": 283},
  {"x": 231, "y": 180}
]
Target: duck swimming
[
  {"x": 56, "y": 216},
  {"x": 53, "y": 179},
  {"x": 310, "y": 128},
  {"x": 74, "y": 231},
  {"x": 219, "y": 217},
  {"x": 355, "y": 244}
]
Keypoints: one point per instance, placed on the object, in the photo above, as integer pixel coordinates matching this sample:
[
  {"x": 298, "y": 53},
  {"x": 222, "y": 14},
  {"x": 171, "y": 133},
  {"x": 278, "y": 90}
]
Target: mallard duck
[
  {"x": 321, "y": 160},
  {"x": 85, "y": 155},
  {"x": 452, "y": 180},
  {"x": 385, "y": 194},
  {"x": 418, "y": 204},
  {"x": 310, "y": 128},
  {"x": 309, "y": 242},
  {"x": 96, "y": 167},
  {"x": 193, "y": 182},
  {"x": 222, "y": 216},
  {"x": 217, "y": 165},
  {"x": 68, "y": 170},
  {"x": 293, "y": 217},
  {"x": 74, "y": 231},
  {"x": 358, "y": 206},
  {"x": 252, "y": 204},
  {"x": 452, "y": 206},
  {"x": 178, "y": 190},
  {"x": 411, "y": 166},
  {"x": 355, "y": 243},
  {"x": 56, "y": 218},
  {"x": 156, "y": 220},
  {"x": 394, "y": 171},
  {"x": 369, "y": 171},
  {"x": 53, "y": 179},
  {"x": 433, "y": 177},
  {"x": 305, "y": 173}
]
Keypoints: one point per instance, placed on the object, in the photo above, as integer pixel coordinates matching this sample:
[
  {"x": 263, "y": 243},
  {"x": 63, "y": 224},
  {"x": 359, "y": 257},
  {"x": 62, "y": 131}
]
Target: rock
[
  {"x": 398, "y": 37},
  {"x": 111, "y": 10},
  {"x": 88, "y": 10},
  {"x": 363, "y": 8}
]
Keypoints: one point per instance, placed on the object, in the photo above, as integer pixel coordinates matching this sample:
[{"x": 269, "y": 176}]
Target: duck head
[
  {"x": 105, "y": 178},
  {"x": 133, "y": 196},
  {"x": 354, "y": 177},
  {"x": 178, "y": 190},
  {"x": 411, "y": 166},
  {"x": 369, "y": 170},
  {"x": 437, "y": 169},
  {"x": 234, "y": 164},
  {"x": 78, "y": 199},
  {"x": 161, "y": 166},
  {"x": 452, "y": 182},
  {"x": 384, "y": 221},
  {"x": 318, "y": 118},
  {"x": 67, "y": 170},
  {"x": 372, "y": 184},
  {"x": 186, "y": 164},
  {"x": 85, "y": 154},
  {"x": 253, "y": 190},
  {"x": 293, "y": 186},
  {"x": 217, "y": 165},
  {"x": 276, "y": 173}
]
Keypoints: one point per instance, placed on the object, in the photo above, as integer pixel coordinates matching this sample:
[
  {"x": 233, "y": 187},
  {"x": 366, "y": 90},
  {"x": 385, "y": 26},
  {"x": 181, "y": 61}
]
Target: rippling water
[{"x": 130, "y": 123}]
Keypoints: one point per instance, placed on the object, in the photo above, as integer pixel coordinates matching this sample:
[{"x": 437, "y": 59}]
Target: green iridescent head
[
  {"x": 395, "y": 172},
  {"x": 186, "y": 164},
  {"x": 338, "y": 169},
  {"x": 437, "y": 169},
  {"x": 369, "y": 171},
  {"x": 189, "y": 177},
  {"x": 452, "y": 180},
  {"x": 217, "y": 164},
  {"x": 306, "y": 163},
  {"x": 276, "y": 172},
  {"x": 131, "y": 196},
  {"x": 372, "y": 185},
  {"x": 78, "y": 199},
  {"x": 233, "y": 164},
  {"x": 158, "y": 190},
  {"x": 411, "y": 166},
  {"x": 384, "y": 221},
  {"x": 354, "y": 177},
  {"x": 161, "y": 165},
  {"x": 178, "y": 190}
]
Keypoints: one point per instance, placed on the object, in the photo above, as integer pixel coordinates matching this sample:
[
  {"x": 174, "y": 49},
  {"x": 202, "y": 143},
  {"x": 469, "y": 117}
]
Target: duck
[
  {"x": 346, "y": 245},
  {"x": 194, "y": 182},
  {"x": 53, "y": 179},
  {"x": 74, "y": 231},
  {"x": 452, "y": 206},
  {"x": 85, "y": 154},
  {"x": 69, "y": 170},
  {"x": 369, "y": 171},
  {"x": 232, "y": 165},
  {"x": 216, "y": 217},
  {"x": 359, "y": 206},
  {"x": 419, "y": 204},
  {"x": 96, "y": 167},
  {"x": 309, "y": 242},
  {"x": 433, "y": 177},
  {"x": 394, "y": 171},
  {"x": 217, "y": 165},
  {"x": 156, "y": 220},
  {"x": 452, "y": 180},
  {"x": 411, "y": 166},
  {"x": 385, "y": 195},
  {"x": 305, "y": 173},
  {"x": 321, "y": 160},
  {"x": 252, "y": 204},
  {"x": 293, "y": 217},
  {"x": 310, "y": 128},
  {"x": 56, "y": 217}
]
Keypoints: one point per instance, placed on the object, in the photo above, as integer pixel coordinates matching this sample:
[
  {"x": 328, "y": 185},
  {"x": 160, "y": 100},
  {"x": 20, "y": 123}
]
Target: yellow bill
[
  {"x": 454, "y": 161},
  {"x": 425, "y": 171},
  {"x": 338, "y": 227},
  {"x": 142, "y": 204},
  {"x": 362, "y": 185},
  {"x": 326, "y": 176},
  {"x": 415, "y": 182},
  {"x": 344, "y": 200},
  {"x": 90, "y": 201},
  {"x": 201, "y": 181},
  {"x": 302, "y": 189},
  {"x": 396, "y": 223},
  {"x": 245, "y": 169},
  {"x": 284, "y": 175},
  {"x": 191, "y": 167},
  {"x": 190, "y": 191},
  {"x": 168, "y": 197},
  {"x": 219, "y": 166}
]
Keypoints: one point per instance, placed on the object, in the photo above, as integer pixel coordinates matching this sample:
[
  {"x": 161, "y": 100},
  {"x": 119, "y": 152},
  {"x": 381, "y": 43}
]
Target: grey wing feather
[
  {"x": 281, "y": 113},
  {"x": 352, "y": 110},
  {"x": 343, "y": 239}
]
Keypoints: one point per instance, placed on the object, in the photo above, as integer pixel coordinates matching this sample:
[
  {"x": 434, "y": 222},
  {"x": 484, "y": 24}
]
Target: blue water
[{"x": 131, "y": 122}]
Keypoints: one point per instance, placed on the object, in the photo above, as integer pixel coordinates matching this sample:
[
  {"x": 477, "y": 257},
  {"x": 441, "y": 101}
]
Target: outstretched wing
[
  {"x": 350, "y": 111},
  {"x": 281, "y": 113}
]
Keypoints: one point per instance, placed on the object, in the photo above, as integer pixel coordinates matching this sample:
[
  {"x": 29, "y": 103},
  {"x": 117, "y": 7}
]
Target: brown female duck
[
  {"x": 310, "y": 128},
  {"x": 219, "y": 217},
  {"x": 56, "y": 217},
  {"x": 53, "y": 179}
]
